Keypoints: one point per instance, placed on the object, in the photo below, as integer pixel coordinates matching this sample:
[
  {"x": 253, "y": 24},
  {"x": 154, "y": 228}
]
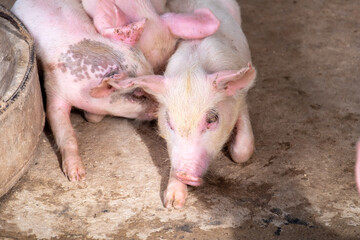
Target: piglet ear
[
  {"x": 152, "y": 84},
  {"x": 106, "y": 14},
  {"x": 129, "y": 34},
  {"x": 104, "y": 89},
  {"x": 112, "y": 23},
  {"x": 200, "y": 24},
  {"x": 231, "y": 81}
]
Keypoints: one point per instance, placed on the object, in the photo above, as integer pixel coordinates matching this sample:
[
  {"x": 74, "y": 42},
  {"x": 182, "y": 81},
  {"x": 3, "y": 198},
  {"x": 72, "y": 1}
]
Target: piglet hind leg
[
  {"x": 242, "y": 146},
  {"x": 93, "y": 118},
  {"x": 176, "y": 193},
  {"x": 58, "y": 114}
]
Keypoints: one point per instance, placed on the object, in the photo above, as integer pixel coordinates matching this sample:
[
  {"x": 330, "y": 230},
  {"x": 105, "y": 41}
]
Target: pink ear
[
  {"x": 200, "y": 24},
  {"x": 152, "y": 84},
  {"x": 112, "y": 23},
  {"x": 104, "y": 88},
  {"x": 107, "y": 15},
  {"x": 231, "y": 81}
]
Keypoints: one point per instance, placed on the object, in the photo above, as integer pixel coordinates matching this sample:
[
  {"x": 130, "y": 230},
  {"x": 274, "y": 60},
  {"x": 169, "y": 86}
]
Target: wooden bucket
[{"x": 21, "y": 106}]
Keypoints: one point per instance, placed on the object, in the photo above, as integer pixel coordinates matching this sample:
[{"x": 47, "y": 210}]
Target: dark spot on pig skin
[
  {"x": 49, "y": 67},
  {"x": 62, "y": 67},
  {"x": 111, "y": 73},
  {"x": 89, "y": 56}
]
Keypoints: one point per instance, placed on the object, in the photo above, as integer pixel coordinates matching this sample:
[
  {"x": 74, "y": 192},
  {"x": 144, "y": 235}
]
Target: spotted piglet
[
  {"x": 202, "y": 98},
  {"x": 75, "y": 58}
]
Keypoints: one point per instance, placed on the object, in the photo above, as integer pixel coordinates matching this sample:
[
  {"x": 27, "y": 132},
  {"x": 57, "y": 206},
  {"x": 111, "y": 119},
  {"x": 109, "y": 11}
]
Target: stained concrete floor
[{"x": 305, "y": 110}]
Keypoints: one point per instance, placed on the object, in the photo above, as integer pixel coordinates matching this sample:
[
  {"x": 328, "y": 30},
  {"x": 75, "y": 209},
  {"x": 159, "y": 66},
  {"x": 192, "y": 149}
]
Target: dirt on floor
[{"x": 299, "y": 184}]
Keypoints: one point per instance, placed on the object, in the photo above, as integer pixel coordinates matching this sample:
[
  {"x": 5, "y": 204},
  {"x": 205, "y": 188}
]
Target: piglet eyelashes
[
  {"x": 212, "y": 116},
  {"x": 168, "y": 121},
  {"x": 212, "y": 119}
]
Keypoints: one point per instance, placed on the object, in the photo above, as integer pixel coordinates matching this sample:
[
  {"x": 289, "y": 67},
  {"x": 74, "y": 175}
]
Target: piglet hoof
[
  {"x": 93, "y": 118},
  {"x": 175, "y": 195},
  {"x": 74, "y": 170}
]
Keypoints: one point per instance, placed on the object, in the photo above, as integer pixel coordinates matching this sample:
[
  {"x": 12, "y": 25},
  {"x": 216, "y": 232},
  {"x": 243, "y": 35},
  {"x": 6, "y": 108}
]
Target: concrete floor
[{"x": 305, "y": 110}]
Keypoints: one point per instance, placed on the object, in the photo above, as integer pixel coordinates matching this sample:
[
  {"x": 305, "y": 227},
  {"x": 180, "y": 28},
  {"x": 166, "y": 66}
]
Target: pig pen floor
[{"x": 299, "y": 184}]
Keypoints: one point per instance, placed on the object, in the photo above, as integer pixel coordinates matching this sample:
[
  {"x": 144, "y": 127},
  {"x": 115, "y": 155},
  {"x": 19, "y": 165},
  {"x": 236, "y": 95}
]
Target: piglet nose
[{"x": 188, "y": 179}]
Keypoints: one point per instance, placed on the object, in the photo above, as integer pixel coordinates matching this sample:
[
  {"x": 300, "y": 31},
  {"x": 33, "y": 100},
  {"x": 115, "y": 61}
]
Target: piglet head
[
  {"x": 196, "y": 116},
  {"x": 200, "y": 113}
]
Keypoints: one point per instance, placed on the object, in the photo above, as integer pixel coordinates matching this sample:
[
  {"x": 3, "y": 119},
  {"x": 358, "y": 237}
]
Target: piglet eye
[{"x": 212, "y": 118}]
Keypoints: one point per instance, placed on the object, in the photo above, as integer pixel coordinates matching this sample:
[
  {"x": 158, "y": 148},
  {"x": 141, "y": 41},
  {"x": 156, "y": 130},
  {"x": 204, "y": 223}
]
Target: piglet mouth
[{"x": 188, "y": 179}]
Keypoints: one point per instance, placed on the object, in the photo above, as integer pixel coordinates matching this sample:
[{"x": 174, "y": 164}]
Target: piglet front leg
[
  {"x": 175, "y": 193},
  {"x": 58, "y": 114},
  {"x": 242, "y": 146}
]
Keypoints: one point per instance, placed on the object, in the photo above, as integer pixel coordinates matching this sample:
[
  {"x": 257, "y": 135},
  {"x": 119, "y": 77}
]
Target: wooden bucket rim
[{"x": 6, "y": 14}]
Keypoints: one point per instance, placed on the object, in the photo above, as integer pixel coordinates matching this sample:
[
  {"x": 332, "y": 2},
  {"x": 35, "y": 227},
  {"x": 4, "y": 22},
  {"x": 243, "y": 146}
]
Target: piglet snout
[{"x": 190, "y": 165}]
